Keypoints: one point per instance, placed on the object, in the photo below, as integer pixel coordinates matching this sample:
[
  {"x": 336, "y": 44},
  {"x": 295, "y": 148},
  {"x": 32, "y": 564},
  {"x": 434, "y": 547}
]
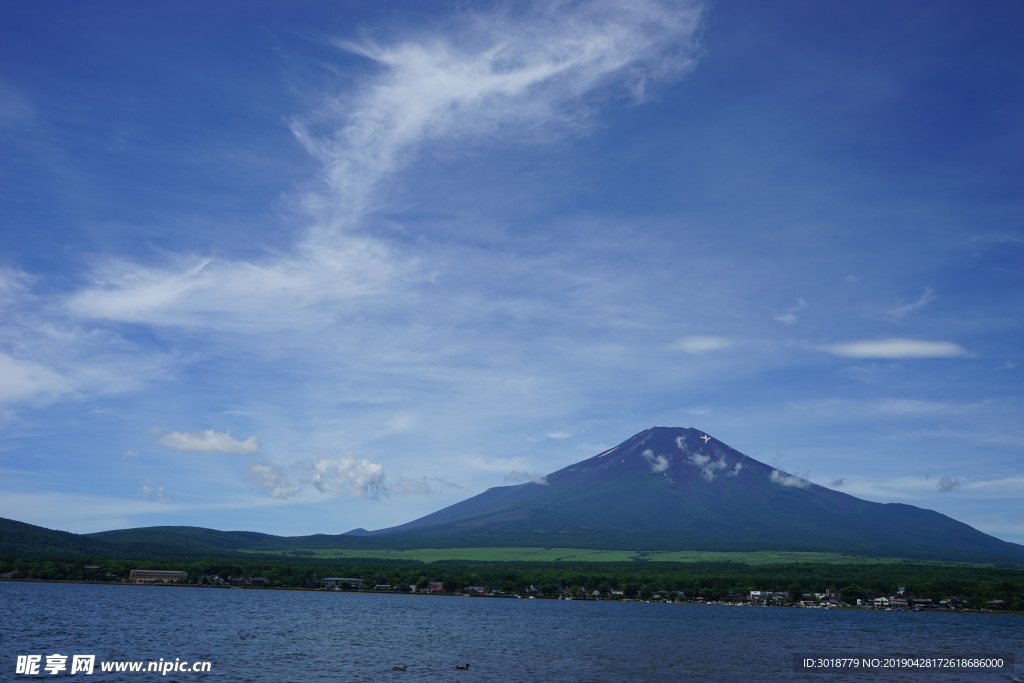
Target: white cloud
[
  {"x": 155, "y": 494},
  {"x": 208, "y": 441},
  {"x": 708, "y": 467},
  {"x": 347, "y": 476},
  {"x": 788, "y": 480},
  {"x": 339, "y": 476},
  {"x": 789, "y": 317},
  {"x": 273, "y": 478},
  {"x": 896, "y": 349},
  {"x": 698, "y": 344},
  {"x": 658, "y": 463},
  {"x": 946, "y": 484}
]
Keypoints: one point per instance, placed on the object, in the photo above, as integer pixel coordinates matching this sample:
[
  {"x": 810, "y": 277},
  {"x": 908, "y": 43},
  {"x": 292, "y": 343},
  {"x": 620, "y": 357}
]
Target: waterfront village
[{"x": 900, "y": 601}]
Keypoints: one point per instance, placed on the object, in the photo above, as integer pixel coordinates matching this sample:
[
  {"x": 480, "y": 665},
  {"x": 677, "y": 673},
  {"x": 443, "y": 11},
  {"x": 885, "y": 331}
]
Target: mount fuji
[{"x": 680, "y": 489}]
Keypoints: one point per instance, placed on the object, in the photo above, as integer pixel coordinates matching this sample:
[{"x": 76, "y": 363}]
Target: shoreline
[{"x": 848, "y": 608}]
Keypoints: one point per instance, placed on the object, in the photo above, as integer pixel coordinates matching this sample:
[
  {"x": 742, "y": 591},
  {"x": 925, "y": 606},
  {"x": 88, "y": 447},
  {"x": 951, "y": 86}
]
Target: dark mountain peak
[{"x": 678, "y": 455}]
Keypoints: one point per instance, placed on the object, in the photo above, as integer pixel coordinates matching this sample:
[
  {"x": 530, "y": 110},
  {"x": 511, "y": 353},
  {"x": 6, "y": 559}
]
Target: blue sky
[{"x": 309, "y": 266}]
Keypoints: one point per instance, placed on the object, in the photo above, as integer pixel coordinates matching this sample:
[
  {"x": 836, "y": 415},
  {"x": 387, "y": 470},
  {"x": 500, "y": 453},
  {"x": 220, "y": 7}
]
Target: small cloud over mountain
[
  {"x": 658, "y": 463},
  {"x": 516, "y": 477},
  {"x": 788, "y": 480}
]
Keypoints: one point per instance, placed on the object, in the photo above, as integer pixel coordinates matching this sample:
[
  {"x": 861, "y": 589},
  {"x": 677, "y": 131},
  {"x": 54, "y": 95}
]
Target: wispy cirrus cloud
[
  {"x": 900, "y": 312},
  {"x": 208, "y": 441},
  {"x": 526, "y": 72},
  {"x": 534, "y": 73},
  {"x": 283, "y": 291},
  {"x": 23, "y": 380},
  {"x": 896, "y": 349},
  {"x": 789, "y": 317},
  {"x": 46, "y": 358}
]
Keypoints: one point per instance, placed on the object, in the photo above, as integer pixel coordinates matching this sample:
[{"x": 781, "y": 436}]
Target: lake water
[{"x": 282, "y": 636}]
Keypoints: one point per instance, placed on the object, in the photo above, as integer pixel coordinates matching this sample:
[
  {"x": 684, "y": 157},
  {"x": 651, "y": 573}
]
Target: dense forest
[{"x": 971, "y": 586}]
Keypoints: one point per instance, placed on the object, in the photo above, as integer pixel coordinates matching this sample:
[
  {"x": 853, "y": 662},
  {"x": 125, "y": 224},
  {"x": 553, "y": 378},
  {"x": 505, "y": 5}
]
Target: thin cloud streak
[
  {"x": 896, "y": 349},
  {"x": 208, "y": 441},
  {"x": 900, "y": 312},
  {"x": 241, "y": 295},
  {"x": 700, "y": 344}
]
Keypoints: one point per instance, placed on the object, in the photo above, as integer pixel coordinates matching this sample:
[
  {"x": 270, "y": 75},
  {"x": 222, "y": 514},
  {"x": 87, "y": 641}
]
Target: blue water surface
[{"x": 280, "y": 636}]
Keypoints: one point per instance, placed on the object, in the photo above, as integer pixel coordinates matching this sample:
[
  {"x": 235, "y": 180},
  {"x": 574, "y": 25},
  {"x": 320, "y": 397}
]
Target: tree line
[{"x": 976, "y": 586}]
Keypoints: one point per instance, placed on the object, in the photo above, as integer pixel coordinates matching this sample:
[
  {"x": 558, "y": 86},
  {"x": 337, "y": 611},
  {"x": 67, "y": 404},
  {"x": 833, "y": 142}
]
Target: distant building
[
  {"x": 155, "y": 575},
  {"x": 435, "y": 587},
  {"x": 333, "y": 582}
]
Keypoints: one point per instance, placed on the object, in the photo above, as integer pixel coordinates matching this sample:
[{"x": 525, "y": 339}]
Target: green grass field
[{"x": 588, "y": 555}]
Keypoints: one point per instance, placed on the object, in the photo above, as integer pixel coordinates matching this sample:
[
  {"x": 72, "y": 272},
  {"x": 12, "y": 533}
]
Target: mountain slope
[
  {"x": 670, "y": 488},
  {"x": 29, "y": 539}
]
